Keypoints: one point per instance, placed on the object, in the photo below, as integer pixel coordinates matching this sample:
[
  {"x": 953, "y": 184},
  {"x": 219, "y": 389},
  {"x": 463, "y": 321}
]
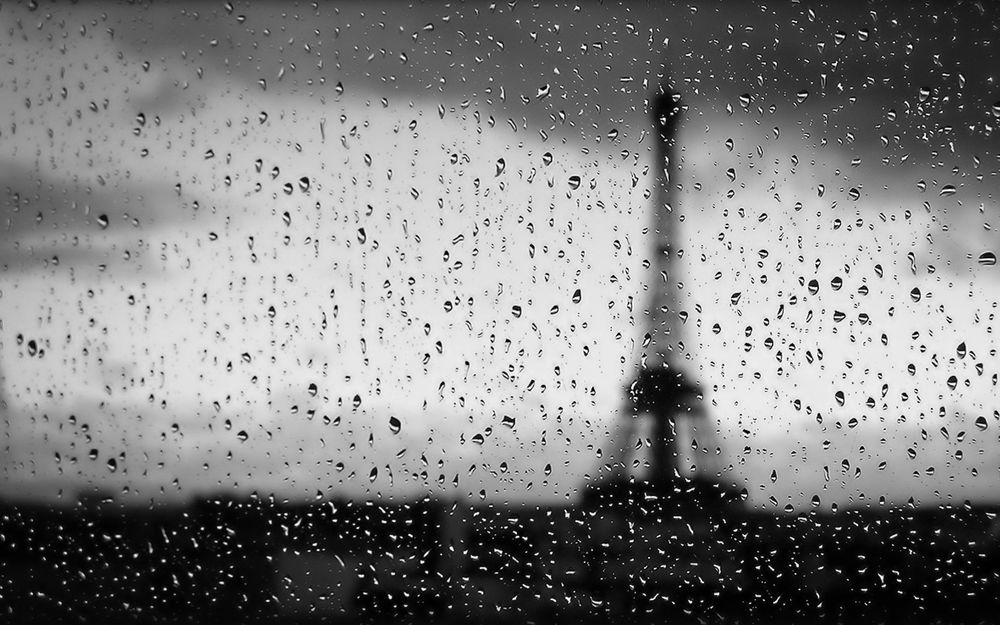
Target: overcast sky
[{"x": 328, "y": 251}]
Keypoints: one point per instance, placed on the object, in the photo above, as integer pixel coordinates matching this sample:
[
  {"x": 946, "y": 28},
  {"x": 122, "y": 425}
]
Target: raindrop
[
  {"x": 394, "y": 425},
  {"x": 987, "y": 259}
]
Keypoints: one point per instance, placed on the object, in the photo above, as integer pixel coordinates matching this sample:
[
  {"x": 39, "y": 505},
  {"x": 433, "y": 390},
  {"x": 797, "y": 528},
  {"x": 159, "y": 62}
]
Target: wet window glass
[{"x": 508, "y": 312}]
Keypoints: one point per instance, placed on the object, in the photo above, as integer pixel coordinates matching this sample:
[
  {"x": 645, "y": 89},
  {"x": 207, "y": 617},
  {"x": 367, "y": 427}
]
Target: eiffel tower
[{"x": 662, "y": 390}]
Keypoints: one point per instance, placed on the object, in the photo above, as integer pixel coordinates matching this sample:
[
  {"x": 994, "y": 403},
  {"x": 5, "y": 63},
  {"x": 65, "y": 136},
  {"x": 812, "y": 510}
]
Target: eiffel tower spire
[{"x": 662, "y": 330}]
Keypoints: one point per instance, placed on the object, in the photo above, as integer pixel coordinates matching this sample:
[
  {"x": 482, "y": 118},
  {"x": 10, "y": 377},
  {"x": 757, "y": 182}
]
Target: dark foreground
[{"x": 251, "y": 561}]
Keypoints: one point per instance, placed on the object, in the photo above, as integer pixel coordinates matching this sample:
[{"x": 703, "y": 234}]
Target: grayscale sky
[{"x": 335, "y": 251}]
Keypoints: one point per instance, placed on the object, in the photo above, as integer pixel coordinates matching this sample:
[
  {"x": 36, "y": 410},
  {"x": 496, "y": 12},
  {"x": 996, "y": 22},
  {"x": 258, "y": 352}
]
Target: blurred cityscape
[{"x": 691, "y": 555}]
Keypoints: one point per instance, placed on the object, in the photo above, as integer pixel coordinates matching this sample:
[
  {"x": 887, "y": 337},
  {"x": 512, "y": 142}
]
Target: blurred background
[{"x": 391, "y": 268}]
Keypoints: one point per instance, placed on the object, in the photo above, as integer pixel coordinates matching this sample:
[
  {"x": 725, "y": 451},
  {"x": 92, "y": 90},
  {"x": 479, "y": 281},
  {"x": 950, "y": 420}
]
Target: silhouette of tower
[{"x": 661, "y": 388}]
